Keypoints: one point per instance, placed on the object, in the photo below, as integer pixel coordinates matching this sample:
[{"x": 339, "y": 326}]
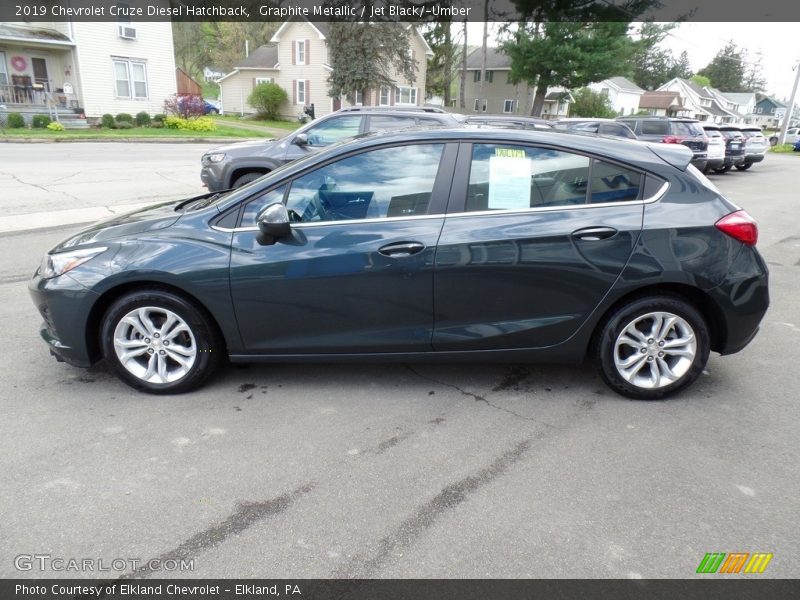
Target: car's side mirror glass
[
  {"x": 273, "y": 223},
  {"x": 301, "y": 139}
]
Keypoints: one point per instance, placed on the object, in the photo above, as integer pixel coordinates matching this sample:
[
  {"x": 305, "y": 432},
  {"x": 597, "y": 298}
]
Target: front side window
[
  {"x": 254, "y": 207},
  {"x": 384, "y": 183},
  {"x": 130, "y": 79},
  {"x": 333, "y": 130},
  {"x": 510, "y": 177}
]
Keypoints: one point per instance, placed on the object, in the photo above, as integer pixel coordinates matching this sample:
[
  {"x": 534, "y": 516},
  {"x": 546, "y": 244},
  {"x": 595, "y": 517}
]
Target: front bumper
[
  {"x": 213, "y": 180},
  {"x": 64, "y": 305}
]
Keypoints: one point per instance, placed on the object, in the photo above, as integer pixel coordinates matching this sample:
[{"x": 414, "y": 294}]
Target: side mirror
[
  {"x": 273, "y": 221},
  {"x": 301, "y": 139}
]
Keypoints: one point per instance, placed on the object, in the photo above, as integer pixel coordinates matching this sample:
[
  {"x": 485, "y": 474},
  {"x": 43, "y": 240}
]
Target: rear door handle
[
  {"x": 593, "y": 234},
  {"x": 401, "y": 249}
]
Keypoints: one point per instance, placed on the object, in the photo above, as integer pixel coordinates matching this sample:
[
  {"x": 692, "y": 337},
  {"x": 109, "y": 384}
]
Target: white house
[
  {"x": 623, "y": 94},
  {"x": 296, "y": 59},
  {"x": 700, "y": 103},
  {"x": 93, "y": 68}
]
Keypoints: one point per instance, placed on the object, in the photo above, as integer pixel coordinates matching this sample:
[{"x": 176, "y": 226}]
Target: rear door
[{"x": 533, "y": 240}]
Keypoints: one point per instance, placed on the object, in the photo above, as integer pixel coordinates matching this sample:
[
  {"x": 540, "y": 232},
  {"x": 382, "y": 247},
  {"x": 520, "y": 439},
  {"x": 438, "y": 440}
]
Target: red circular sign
[{"x": 18, "y": 63}]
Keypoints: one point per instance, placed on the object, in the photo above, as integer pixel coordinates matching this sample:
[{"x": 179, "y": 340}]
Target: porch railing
[{"x": 24, "y": 94}]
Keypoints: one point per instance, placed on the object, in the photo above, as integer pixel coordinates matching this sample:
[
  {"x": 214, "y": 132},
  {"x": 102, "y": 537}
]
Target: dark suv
[
  {"x": 235, "y": 165},
  {"x": 672, "y": 130}
]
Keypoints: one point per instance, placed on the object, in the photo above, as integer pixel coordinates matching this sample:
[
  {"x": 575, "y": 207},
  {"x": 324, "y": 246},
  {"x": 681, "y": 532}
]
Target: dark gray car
[
  {"x": 235, "y": 165},
  {"x": 672, "y": 130},
  {"x": 478, "y": 245}
]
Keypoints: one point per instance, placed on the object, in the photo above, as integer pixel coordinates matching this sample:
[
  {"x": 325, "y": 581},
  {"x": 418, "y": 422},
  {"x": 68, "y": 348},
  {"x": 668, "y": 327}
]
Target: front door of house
[{"x": 40, "y": 72}]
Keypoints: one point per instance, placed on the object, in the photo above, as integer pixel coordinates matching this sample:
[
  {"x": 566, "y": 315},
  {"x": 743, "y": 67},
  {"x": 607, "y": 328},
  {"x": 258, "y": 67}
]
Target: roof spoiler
[{"x": 677, "y": 155}]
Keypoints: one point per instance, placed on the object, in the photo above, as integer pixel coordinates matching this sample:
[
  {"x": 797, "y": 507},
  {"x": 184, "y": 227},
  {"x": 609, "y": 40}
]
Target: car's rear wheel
[
  {"x": 246, "y": 178},
  {"x": 160, "y": 343},
  {"x": 652, "y": 347},
  {"x": 744, "y": 167}
]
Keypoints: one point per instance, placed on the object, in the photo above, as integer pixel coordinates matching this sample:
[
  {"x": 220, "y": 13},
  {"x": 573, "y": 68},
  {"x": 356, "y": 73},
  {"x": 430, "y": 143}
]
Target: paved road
[{"x": 407, "y": 471}]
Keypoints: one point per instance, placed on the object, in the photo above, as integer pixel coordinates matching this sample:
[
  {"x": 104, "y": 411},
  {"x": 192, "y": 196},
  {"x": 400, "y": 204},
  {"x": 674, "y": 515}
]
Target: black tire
[
  {"x": 721, "y": 170},
  {"x": 246, "y": 178},
  {"x": 744, "y": 167},
  {"x": 213, "y": 111},
  {"x": 640, "y": 311},
  {"x": 202, "y": 337}
]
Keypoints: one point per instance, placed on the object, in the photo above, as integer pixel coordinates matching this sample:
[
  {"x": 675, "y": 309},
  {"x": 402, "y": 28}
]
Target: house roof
[
  {"x": 775, "y": 103},
  {"x": 661, "y": 100},
  {"x": 625, "y": 84},
  {"x": 33, "y": 34},
  {"x": 695, "y": 88},
  {"x": 496, "y": 60},
  {"x": 263, "y": 57},
  {"x": 740, "y": 98}
]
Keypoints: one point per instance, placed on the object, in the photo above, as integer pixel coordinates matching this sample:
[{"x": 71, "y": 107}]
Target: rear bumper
[
  {"x": 715, "y": 163},
  {"x": 754, "y": 158}
]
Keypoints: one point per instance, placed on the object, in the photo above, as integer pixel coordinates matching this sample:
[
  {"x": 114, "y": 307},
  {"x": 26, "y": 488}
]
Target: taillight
[
  {"x": 672, "y": 139},
  {"x": 740, "y": 226}
]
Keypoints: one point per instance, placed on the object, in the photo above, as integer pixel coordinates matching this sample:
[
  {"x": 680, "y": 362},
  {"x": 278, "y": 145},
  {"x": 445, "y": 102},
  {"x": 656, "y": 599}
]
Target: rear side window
[
  {"x": 655, "y": 127},
  {"x": 509, "y": 177},
  {"x": 333, "y": 130}
]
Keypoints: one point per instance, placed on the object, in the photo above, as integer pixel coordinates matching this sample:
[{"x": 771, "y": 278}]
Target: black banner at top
[{"x": 414, "y": 11}]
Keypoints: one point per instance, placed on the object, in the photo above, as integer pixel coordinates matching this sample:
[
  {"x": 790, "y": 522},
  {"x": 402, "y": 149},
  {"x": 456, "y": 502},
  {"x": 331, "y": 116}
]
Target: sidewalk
[{"x": 62, "y": 218}]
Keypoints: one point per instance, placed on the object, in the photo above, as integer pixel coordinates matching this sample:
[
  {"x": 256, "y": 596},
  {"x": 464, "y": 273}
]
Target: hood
[
  {"x": 247, "y": 148},
  {"x": 157, "y": 216}
]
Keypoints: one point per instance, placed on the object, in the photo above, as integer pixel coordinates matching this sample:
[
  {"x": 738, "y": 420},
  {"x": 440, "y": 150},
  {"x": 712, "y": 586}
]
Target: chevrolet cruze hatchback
[{"x": 441, "y": 245}]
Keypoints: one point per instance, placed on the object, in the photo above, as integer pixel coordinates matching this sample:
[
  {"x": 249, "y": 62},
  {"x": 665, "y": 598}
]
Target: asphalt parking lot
[{"x": 391, "y": 470}]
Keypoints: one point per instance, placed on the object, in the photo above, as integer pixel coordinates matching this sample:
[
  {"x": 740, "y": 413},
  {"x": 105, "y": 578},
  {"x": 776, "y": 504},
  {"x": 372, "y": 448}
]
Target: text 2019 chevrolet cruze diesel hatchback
[{"x": 452, "y": 245}]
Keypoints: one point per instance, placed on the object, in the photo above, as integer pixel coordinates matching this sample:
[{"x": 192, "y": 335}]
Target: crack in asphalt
[
  {"x": 427, "y": 514},
  {"x": 479, "y": 398},
  {"x": 39, "y": 186},
  {"x": 246, "y": 515}
]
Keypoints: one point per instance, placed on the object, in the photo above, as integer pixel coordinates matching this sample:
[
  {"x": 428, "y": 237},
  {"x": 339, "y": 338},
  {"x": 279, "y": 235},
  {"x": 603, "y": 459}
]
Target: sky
[{"x": 702, "y": 41}]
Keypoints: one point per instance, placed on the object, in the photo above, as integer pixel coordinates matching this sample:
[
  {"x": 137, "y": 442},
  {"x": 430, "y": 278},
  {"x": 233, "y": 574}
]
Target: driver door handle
[
  {"x": 401, "y": 249},
  {"x": 594, "y": 233}
]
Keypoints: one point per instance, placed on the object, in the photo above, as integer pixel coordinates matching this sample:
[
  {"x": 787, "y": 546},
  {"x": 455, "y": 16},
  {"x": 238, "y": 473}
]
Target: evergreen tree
[{"x": 726, "y": 70}]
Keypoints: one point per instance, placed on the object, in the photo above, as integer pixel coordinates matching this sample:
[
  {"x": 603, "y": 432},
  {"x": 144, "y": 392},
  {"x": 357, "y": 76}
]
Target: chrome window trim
[{"x": 654, "y": 198}]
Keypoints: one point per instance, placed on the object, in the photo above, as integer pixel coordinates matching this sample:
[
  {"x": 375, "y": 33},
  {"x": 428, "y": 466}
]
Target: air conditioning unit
[{"x": 129, "y": 33}]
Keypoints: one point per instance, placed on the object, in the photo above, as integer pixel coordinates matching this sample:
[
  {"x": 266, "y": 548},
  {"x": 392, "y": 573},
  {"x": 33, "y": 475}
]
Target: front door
[
  {"x": 357, "y": 274},
  {"x": 40, "y": 73},
  {"x": 540, "y": 238}
]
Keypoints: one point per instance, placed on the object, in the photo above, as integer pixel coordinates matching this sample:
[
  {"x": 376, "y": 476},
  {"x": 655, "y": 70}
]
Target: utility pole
[{"x": 787, "y": 118}]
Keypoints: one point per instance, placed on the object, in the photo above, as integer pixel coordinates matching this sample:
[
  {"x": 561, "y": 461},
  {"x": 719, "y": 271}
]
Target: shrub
[
  {"x": 142, "y": 119},
  {"x": 55, "y": 126},
  {"x": 40, "y": 121},
  {"x": 107, "y": 121},
  {"x": 124, "y": 125},
  {"x": 159, "y": 118},
  {"x": 185, "y": 106},
  {"x": 198, "y": 124},
  {"x": 267, "y": 98},
  {"x": 16, "y": 121},
  {"x": 124, "y": 118}
]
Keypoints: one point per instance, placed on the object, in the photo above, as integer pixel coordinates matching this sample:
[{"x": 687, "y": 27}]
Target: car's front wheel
[
  {"x": 652, "y": 347},
  {"x": 158, "y": 342}
]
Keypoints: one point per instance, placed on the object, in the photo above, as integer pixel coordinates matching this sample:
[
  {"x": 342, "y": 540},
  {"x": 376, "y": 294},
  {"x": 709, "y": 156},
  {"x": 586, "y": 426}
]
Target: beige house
[
  {"x": 296, "y": 59},
  {"x": 498, "y": 95},
  {"x": 65, "y": 68}
]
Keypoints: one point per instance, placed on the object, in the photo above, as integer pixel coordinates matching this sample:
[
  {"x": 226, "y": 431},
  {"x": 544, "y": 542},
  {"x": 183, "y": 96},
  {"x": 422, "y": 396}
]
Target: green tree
[
  {"x": 442, "y": 65},
  {"x": 568, "y": 54},
  {"x": 726, "y": 70},
  {"x": 682, "y": 68},
  {"x": 754, "y": 80},
  {"x": 267, "y": 99},
  {"x": 365, "y": 56},
  {"x": 701, "y": 80},
  {"x": 652, "y": 66},
  {"x": 231, "y": 37},
  {"x": 589, "y": 103}
]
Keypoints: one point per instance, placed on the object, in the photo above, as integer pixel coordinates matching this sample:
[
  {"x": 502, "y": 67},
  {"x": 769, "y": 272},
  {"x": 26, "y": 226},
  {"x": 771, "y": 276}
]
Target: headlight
[
  {"x": 215, "y": 157},
  {"x": 54, "y": 265}
]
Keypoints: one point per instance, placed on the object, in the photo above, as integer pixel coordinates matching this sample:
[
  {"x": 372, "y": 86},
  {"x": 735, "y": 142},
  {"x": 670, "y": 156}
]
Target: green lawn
[
  {"x": 143, "y": 132},
  {"x": 783, "y": 149},
  {"x": 287, "y": 125}
]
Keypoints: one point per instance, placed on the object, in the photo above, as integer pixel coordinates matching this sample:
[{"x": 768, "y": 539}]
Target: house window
[
  {"x": 300, "y": 57},
  {"x": 405, "y": 95},
  {"x": 300, "y": 92},
  {"x": 604, "y": 92},
  {"x": 130, "y": 79},
  {"x": 260, "y": 80},
  {"x": 509, "y": 106},
  {"x": 359, "y": 97},
  {"x": 384, "y": 98},
  {"x": 758, "y": 110},
  {"x": 476, "y": 76},
  {"x": 489, "y": 76},
  {"x": 479, "y": 105}
]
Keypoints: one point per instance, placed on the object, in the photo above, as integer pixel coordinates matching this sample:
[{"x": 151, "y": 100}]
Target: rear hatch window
[
  {"x": 688, "y": 128},
  {"x": 655, "y": 127}
]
